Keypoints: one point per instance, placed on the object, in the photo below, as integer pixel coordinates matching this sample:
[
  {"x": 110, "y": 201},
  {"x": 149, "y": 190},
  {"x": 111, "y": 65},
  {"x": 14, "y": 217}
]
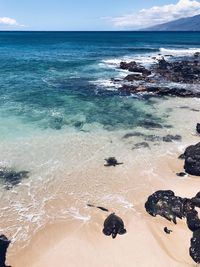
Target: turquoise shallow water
[{"x": 56, "y": 80}]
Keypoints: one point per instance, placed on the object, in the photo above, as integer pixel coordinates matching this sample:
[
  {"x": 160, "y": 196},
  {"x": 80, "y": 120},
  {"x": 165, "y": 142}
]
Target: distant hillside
[{"x": 184, "y": 24}]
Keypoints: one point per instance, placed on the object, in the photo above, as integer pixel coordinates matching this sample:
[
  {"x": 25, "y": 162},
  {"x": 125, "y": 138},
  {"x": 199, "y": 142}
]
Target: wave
[
  {"x": 142, "y": 49},
  {"x": 106, "y": 83},
  {"x": 180, "y": 52}
]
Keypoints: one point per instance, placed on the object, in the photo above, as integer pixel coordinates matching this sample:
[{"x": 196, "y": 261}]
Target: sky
[{"x": 92, "y": 14}]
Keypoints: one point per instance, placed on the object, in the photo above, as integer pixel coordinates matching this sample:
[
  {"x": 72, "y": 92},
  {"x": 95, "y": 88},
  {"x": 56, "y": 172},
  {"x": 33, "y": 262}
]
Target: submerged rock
[
  {"x": 148, "y": 124},
  {"x": 141, "y": 145},
  {"x": 170, "y": 138},
  {"x": 11, "y": 178},
  {"x": 192, "y": 160},
  {"x": 112, "y": 162},
  {"x": 4, "y": 244},
  {"x": 113, "y": 225},
  {"x": 137, "y": 134}
]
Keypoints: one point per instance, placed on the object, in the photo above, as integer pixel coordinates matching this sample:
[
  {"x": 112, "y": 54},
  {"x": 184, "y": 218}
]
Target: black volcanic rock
[
  {"x": 192, "y": 160},
  {"x": 165, "y": 204},
  {"x": 4, "y": 244},
  {"x": 158, "y": 91},
  {"x": 195, "y": 246},
  {"x": 113, "y": 225},
  {"x": 134, "y": 67},
  {"x": 169, "y": 206},
  {"x": 128, "y": 66},
  {"x": 185, "y": 71},
  {"x": 163, "y": 64},
  {"x": 196, "y": 200},
  {"x": 193, "y": 220},
  {"x": 198, "y": 128},
  {"x": 134, "y": 77}
]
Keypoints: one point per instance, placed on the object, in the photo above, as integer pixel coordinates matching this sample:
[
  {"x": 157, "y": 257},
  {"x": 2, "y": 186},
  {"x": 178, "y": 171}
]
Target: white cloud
[
  {"x": 5, "y": 21},
  {"x": 157, "y": 15}
]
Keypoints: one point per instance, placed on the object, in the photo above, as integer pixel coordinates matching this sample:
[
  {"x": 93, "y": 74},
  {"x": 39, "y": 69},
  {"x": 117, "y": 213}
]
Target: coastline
[
  {"x": 83, "y": 243},
  {"x": 55, "y": 142}
]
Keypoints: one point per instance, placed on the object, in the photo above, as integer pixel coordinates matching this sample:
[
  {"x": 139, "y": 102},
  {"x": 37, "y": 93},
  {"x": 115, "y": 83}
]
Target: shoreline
[
  {"x": 81, "y": 243},
  {"x": 61, "y": 169}
]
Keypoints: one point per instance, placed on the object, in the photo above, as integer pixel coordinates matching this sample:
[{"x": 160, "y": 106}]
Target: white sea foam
[
  {"x": 106, "y": 83},
  {"x": 120, "y": 200},
  {"x": 111, "y": 62},
  {"x": 180, "y": 52},
  {"x": 76, "y": 214}
]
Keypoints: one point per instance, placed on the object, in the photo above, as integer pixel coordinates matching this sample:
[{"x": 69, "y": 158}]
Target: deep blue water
[{"x": 53, "y": 79}]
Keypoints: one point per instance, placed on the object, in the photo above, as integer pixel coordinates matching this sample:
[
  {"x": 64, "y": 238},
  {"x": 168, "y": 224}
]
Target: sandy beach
[
  {"x": 83, "y": 244},
  {"x": 76, "y": 239}
]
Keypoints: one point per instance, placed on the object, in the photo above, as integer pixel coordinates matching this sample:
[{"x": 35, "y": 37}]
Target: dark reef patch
[
  {"x": 11, "y": 178},
  {"x": 141, "y": 145},
  {"x": 170, "y": 138}
]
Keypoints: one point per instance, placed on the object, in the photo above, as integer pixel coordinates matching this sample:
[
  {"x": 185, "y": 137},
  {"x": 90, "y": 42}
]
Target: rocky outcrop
[
  {"x": 134, "y": 67},
  {"x": 155, "y": 90},
  {"x": 167, "y": 205},
  {"x": 192, "y": 159},
  {"x": 148, "y": 81},
  {"x": 195, "y": 246},
  {"x": 187, "y": 71},
  {"x": 171, "y": 207}
]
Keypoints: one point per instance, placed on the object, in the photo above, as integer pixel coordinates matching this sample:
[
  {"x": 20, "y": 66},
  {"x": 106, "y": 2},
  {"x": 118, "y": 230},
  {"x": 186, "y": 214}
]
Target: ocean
[{"x": 61, "y": 116}]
